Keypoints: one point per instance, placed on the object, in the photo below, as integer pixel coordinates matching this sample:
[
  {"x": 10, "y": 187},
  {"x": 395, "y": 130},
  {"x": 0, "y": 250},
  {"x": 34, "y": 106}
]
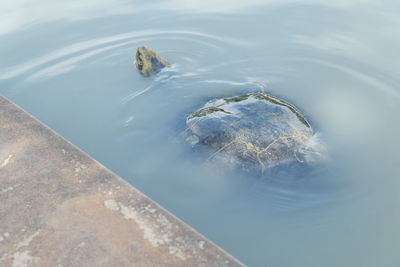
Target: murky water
[{"x": 71, "y": 65}]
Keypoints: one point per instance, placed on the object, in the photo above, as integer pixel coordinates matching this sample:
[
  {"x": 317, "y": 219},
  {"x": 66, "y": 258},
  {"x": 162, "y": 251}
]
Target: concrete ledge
[{"x": 59, "y": 207}]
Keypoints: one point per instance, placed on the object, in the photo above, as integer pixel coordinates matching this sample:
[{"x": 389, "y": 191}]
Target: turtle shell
[{"x": 251, "y": 131}]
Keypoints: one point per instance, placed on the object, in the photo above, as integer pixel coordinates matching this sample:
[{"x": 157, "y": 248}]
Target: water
[{"x": 71, "y": 65}]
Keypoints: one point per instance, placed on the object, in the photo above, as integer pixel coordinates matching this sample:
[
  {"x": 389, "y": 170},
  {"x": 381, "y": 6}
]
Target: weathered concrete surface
[{"x": 59, "y": 207}]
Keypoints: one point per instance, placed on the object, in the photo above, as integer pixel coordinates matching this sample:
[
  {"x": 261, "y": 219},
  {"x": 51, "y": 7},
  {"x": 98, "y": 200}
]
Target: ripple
[
  {"x": 69, "y": 64},
  {"x": 136, "y": 36},
  {"x": 363, "y": 77}
]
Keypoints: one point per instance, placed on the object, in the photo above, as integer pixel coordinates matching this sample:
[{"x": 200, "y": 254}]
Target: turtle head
[{"x": 148, "y": 62}]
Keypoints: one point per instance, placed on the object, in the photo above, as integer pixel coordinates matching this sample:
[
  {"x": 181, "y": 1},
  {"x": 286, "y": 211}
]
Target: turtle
[
  {"x": 253, "y": 131},
  {"x": 249, "y": 131}
]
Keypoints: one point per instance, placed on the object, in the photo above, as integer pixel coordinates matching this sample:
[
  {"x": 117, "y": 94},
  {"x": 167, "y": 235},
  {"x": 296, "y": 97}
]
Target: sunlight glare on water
[{"x": 71, "y": 64}]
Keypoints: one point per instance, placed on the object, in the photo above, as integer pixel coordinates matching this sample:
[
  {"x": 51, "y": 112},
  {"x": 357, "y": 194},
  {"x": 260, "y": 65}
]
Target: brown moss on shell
[
  {"x": 206, "y": 111},
  {"x": 272, "y": 99}
]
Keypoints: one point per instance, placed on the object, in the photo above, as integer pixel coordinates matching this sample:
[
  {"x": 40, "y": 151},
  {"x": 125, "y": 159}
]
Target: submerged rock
[
  {"x": 252, "y": 131},
  {"x": 148, "y": 62}
]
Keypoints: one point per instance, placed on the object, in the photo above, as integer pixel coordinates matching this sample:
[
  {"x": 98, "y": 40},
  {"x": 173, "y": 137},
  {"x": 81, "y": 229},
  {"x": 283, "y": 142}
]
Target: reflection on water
[{"x": 71, "y": 65}]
